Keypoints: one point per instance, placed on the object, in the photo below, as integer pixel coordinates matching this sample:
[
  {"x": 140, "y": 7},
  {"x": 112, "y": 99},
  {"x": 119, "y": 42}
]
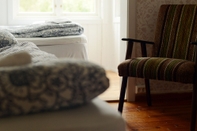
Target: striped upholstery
[
  {"x": 172, "y": 52},
  {"x": 168, "y": 69},
  {"x": 176, "y": 28}
]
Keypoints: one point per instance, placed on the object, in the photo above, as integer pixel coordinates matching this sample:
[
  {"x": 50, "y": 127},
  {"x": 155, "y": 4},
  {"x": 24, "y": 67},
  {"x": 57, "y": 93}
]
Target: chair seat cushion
[{"x": 168, "y": 69}]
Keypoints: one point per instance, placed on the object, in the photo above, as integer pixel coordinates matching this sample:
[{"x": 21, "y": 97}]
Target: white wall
[
  {"x": 103, "y": 36},
  {"x": 128, "y": 29},
  {"x": 3, "y": 12}
]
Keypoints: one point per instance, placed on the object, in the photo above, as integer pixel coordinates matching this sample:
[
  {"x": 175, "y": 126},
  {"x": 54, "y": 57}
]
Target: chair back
[{"x": 176, "y": 28}]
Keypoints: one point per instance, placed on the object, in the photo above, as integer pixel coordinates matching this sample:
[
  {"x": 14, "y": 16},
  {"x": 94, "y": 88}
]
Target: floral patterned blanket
[
  {"x": 47, "y": 29},
  {"x": 49, "y": 86}
]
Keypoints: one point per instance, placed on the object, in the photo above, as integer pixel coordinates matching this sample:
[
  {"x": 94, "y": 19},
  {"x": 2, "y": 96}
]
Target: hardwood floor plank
[
  {"x": 169, "y": 112},
  {"x": 112, "y": 93}
]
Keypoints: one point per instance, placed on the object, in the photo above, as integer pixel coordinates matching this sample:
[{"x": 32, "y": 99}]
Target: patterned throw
[
  {"x": 172, "y": 51},
  {"x": 48, "y": 86}
]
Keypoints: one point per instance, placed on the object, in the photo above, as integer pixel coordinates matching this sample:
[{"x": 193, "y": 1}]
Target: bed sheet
[
  {"x": 66, "y": 46},
  {"x": 95, "y": 116}
]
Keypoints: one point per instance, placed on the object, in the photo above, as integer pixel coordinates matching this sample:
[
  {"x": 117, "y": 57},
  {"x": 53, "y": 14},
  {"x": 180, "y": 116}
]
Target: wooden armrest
[
  {"x": 136, "y": 40},
  {"x": 130, "y": 46},
  {"x": 194, "y": 43}
]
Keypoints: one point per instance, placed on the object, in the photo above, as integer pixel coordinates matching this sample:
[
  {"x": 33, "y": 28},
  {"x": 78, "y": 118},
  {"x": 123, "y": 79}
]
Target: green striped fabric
[
  {"x": 168, "y": 69},
  {"x": 173, "y": 55},
  {"x": 176, "y": 28}
]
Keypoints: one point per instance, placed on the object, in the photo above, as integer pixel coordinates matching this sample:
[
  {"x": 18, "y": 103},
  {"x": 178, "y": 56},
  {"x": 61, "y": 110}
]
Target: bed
[
  {"x": 62, "y": 38},
  {"x": 64, "y": 46}
]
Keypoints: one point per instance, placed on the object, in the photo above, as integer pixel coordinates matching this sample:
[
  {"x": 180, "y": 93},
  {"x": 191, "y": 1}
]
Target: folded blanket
[
  {"x": 49, "y": 86},
  {"x": 47, "y": 29},
  {"x": 37, "y": 55},
  {"x": 13, "y": 50}
]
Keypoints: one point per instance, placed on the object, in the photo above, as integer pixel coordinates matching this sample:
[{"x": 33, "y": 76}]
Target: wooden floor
[
  {"x": 169, "y": 112},
  {"x": 112, "y": 93}
]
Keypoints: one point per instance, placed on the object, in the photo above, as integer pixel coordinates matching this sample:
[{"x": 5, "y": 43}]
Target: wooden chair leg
[
  {"x": 122, "y": 94},
  {"x": 193, "y": 114},
  {"x": 148, "y": 95}
]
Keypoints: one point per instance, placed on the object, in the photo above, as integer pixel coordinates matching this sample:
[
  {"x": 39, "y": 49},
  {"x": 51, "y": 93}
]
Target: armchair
[{"x": 173, "y": 57}]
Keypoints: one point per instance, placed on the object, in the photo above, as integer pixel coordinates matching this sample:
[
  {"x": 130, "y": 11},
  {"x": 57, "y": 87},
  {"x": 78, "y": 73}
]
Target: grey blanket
[
  {"x": 36, "y": 54},
  {"x": 46, "y": 30}
]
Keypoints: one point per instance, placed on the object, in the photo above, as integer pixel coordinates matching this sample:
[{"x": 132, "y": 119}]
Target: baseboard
[{"x": 140, "y": 89}]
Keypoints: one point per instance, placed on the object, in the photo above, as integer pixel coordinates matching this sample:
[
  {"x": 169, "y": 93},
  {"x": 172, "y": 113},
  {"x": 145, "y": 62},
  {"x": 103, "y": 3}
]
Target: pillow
[
  {"x": 49, "y": 86},
  {"x": 6, "y": 39},
  {"x": 15, "y": 59}
]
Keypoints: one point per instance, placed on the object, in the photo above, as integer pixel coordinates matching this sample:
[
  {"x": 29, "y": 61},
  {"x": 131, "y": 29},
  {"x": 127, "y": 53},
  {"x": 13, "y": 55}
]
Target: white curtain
[{"x": 110, "y": 35}]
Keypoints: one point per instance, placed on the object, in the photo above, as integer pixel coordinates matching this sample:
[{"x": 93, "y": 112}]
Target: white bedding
[
  {"x": 66, "y": 46},
  {"x": 96, "y": 116}
]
